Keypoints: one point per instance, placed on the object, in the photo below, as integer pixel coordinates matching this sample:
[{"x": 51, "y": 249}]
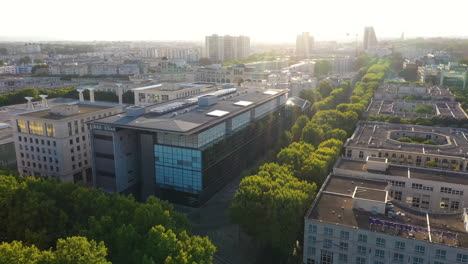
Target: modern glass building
[{"x": 188, "y": 149}]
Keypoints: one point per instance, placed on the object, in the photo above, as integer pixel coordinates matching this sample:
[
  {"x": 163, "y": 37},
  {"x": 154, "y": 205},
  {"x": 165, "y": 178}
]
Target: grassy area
[{"x": 417, "y": 140}]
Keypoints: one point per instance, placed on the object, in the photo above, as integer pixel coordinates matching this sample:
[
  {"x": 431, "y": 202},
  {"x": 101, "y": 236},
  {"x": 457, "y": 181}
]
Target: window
[
  {"x": 71, "y": 141},
  {"x": 417, "y": 260},
  {"x": 361, "y": 154},
  {"x": 397, "y": 195},
  {"x": 349, "y": 153},
  {"x": 50, "y": 130},
  {"x": 327, "y": 243},
  {"x": 360, "y": 260},
  {"x": 378, "y": 262},
  {"x": 444, "y": 203},
  {"x": 419, "y": 249},
  {"x": 343, "y": 258},
  {"x": 312, "y": 229},
  {"x": 310, "y": 261},
  {"x": 344, "y": 235},
  {"x": 454, "y": 205},
  {"x": 362, "y": 238},
  {"x": 462, "y": 258},
  {"x": 36, "y": 128},
  {"x": 398, "y": 258},
  {"x": 440, "y": 254},
  {"x": 343, "y": 246},
  {"x": 361, "y": 250},
  {"x": 311, "y": 239},
  {"x": 379, "y": 253},
  {"x": 380, "y": 242},
  {"x": 328, "y": 231},
  {"x": 400, "y": 245},
  {"x": 310, "y": 251}
]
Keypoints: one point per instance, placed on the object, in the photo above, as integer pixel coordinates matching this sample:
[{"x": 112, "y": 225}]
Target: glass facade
[
  {"x": 178, "y": 168},
  {"x": 211, "y": 134},
  {"x": 36, "y": 128},
  {"x": 240, "y": 120}
]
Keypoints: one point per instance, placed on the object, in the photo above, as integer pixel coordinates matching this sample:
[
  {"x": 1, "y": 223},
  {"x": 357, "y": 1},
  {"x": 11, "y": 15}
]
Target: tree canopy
[{"x": 44, "y": 212}]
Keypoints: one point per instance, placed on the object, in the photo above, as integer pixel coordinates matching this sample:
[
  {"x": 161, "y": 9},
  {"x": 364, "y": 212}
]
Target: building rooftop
[
  {"x": 186, "y": 116},
  {"x": 334, "y": 205},
  {"x": 401, "y": 90},
  {"x": 82, "y": 108},
  {"x": 383, "y": 136},
  {"x": 358, "y": 167},
  {"x": 405, "y": 108}
]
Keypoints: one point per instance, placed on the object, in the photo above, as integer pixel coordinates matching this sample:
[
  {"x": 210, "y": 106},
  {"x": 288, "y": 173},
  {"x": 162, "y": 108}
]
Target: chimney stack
[
  {"x": 30, "y": 104},
  {"x": 44, "y": 100},
  {"x": 120, "y": 93},
  {"x": 91, "y": 94},
  {"x": 80, "y": 91}
]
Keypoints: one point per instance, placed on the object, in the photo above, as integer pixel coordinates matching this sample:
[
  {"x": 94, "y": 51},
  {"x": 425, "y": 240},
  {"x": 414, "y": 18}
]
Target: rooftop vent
[
  {"x": 207, "y": 100},
  {"x": 135, "y": 110}
]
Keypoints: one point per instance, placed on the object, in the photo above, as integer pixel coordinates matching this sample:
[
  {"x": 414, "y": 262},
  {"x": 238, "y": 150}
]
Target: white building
[
  {"x": 54, "y": 141},
  {"x": 164, "y": 92},
  {"x": 371, "y": 212}
]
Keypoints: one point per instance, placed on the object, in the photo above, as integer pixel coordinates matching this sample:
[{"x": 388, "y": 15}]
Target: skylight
[
  {"x": 217, "y": 113},
  {"x": 270, "y": 92},
  {"x": 243, "y": 103}
]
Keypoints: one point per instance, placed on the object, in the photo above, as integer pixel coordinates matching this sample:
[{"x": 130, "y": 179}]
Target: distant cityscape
[{"x": 323, "y": 152}]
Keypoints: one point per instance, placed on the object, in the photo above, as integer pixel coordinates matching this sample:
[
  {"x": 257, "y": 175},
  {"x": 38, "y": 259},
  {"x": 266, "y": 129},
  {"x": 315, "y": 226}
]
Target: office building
[
  {"x": 371, "y": 211},
  {"x": 370, "y": 39},
  {"x": 304, "y": 45},
  {"x": 421, "y": 146},
  {"x": 186, "y": 150},
  {"x": 54, "y": 141},
  {"x": 226, "y": 48}
]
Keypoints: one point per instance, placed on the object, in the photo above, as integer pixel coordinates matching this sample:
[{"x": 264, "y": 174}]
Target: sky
[{"x": 261, "y": 20}]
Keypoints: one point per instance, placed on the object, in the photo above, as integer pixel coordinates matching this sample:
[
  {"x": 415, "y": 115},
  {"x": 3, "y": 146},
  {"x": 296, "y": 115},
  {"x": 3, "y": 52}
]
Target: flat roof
[
  {"x": 191, "y": 117},
  {"x": 400, "y": 108},
  {"x": 429, "y": 174},
  {"x": 376, "y": 135},
  {"x": 84, "y": 108},
  {"x": 370, "y": 194},
  {"x": 336, "y": 207}
]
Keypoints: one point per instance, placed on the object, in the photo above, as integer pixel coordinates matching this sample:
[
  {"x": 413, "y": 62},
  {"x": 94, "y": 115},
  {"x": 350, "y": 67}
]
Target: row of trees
[
  {"x": 17, "y": 97},
  {"x": 46, "y": 214},
  {"x": 271, "y": 204}
]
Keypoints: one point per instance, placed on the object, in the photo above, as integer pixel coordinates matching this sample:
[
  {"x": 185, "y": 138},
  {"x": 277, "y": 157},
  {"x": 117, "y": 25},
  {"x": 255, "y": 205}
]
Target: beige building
[
  {"x": 370, "y": 211},
  {"x": 54, "y": 141},
  {"x": 442, "y": 147}
]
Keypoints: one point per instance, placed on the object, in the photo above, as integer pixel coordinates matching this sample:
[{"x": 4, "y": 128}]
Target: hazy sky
[{"x": 262, "y": 20}]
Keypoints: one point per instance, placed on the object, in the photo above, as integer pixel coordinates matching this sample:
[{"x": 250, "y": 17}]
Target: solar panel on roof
[
  {"x": 243, "y": 103},
  {"x": 217, "y": 113}
]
